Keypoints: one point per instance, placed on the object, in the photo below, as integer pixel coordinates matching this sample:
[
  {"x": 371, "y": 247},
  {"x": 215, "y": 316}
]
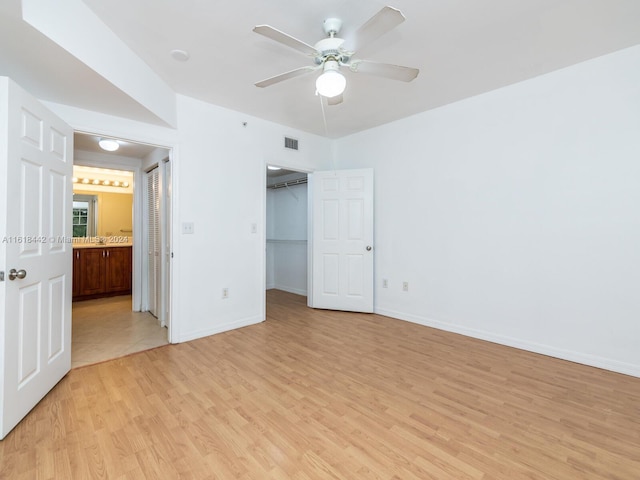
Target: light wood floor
[
  {"x": 331, "y": 395},
  {"x": 106, "y": 328}
]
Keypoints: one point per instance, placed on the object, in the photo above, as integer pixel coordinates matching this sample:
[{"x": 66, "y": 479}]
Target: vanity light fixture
[
  {"x": 109, "y": 144},
  {"x": 271, "y": 167},
  {"x": 100, "y": 183}
]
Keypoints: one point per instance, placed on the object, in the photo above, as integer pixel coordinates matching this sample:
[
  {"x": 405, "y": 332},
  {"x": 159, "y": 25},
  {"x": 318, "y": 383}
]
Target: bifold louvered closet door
[{"x": 153, "y": 246}]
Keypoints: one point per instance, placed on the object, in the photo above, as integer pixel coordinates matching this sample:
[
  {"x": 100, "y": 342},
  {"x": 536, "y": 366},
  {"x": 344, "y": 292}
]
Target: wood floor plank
[{"x": 313, "y": 394}]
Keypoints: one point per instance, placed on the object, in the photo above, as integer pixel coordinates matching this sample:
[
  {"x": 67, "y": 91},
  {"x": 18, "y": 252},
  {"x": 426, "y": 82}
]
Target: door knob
[
  {"x": 368, "y": 248},
  {"x": 13, "y": 274}
]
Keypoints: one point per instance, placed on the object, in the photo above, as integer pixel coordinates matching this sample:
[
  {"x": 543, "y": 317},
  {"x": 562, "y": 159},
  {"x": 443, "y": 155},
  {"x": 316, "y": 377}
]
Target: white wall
[
  {"x": 514, "y": 215},
  {"x": 287, "y": 239},
  {"x": 219, "y": 185},
  {"x": 222, "y": 190}
]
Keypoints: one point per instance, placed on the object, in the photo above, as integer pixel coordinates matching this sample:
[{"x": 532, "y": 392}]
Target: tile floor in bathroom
[{"x": 106, "y": 328}]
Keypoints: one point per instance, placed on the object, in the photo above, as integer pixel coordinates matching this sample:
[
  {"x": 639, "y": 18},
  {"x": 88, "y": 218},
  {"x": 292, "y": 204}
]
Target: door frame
[{"x": 138, "y": 280}]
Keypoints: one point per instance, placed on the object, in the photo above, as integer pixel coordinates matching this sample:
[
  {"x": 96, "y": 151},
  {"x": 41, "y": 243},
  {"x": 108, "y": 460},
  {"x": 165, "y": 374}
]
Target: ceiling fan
[{"x": 332, "y": 53}]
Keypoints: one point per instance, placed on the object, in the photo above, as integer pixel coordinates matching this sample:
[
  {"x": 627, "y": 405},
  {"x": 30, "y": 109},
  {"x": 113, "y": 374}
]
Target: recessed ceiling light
[
  {"x": 108, "y": 144},
  {"x": 271, "y": 167},
  {"x": 180, "y": 55}
]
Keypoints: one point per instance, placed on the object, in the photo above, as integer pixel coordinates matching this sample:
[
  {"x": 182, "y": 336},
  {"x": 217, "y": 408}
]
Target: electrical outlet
[
  {"x": 225, "y": 293},
  {"x": 187, "y": 228},
  {"x": 385, "y": 283},
  {"x": 405, "y": 286}
]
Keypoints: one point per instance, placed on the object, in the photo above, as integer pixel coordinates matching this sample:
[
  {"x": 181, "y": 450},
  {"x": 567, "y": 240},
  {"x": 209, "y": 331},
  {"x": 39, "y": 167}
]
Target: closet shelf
[{"x": 276, "y": 240}]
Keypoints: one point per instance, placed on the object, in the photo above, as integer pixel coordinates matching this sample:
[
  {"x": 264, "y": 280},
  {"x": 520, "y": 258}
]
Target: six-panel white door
[
  {"x": 342, "y": 240},
  {"x": 36, "y": 166}
]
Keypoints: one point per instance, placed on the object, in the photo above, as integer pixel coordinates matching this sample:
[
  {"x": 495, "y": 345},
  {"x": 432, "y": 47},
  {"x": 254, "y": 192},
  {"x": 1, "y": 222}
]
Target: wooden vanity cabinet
[
  {"x": 118, "y": 270},
  {"x": 76, "y": 273},
  {"x": 101, "y": 272}
]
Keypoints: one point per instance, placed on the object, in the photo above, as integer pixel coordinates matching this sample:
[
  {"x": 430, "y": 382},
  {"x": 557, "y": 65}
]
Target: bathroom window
[{"x": 84, "y": 218}]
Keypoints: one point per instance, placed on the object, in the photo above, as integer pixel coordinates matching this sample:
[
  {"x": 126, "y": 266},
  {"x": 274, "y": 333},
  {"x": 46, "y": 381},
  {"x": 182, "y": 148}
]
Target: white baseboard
[
  {"x": 194, "y": 335},
  {"x": 297, "y": 291},
  {"x": 572, "y": 356}
]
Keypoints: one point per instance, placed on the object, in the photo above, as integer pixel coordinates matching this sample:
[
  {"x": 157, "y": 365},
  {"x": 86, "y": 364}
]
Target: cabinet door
[
  {"x": 118, "y": 269},
  {"x": 92, "y": 271}
]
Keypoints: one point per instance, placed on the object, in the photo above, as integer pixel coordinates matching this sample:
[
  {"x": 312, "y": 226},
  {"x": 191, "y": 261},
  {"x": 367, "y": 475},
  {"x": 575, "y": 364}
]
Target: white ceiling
[
  {"x": 462, "y": 48},
  {"x": 89, "y": 143}
]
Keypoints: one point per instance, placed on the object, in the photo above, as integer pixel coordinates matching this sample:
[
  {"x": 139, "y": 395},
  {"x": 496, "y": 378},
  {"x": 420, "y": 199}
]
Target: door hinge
[{"x": 1, "y": 276}]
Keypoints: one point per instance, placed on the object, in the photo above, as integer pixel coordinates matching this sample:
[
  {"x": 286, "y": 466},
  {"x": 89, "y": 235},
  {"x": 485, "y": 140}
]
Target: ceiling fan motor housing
[{"x": 330, "y": 48}]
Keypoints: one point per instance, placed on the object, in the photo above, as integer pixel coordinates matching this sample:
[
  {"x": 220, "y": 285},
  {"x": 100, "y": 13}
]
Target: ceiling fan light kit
[
  {"x": 331, "y": 83},
  {"x": 331, "y": 53}
]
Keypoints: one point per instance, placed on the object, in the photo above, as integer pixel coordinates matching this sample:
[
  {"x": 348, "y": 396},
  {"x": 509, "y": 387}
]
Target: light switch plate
[{"x": 187, "y": 228}]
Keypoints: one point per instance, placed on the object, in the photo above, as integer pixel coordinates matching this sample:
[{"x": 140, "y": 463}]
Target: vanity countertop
[{"x": 101, "y": 245}]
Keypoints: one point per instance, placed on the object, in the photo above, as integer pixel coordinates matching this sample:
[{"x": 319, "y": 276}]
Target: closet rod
[{"x": 291, "y": 183}]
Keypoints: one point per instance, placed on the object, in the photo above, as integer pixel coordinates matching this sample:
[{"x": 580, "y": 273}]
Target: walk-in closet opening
[{"x": 286, "y": 230}]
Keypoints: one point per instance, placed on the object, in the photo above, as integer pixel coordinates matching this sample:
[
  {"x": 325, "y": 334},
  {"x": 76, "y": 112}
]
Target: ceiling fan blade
[
  {"x": 285, "y": 76},
  {"x": 382, "y": 22},
  {"x": 285, "y": 39},
  {"x": 394, "y": 72},
  {"x": 338, "y": 99}
]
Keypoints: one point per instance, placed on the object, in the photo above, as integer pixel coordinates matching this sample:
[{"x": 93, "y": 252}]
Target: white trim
[
  {"x": 263, "y": 243},
  {"x": 572, "y": 356},
  {"x": 310, "y": 222},
  {"x": 297, "y": 291},
  {"x": 188, "y": 336}
]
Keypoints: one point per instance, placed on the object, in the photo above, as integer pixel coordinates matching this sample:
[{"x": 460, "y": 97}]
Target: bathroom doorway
[{"x": 108, "y": 324}]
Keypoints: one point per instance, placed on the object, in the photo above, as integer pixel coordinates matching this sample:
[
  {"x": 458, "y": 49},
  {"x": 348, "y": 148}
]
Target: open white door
[
  {"x": 36, "y": 166},
  {"x": 342, "y": 240}
]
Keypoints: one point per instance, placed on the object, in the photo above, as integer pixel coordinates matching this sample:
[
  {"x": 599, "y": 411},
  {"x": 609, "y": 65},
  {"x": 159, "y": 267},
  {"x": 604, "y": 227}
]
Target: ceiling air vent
[{"x": 291, "y": 143}]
